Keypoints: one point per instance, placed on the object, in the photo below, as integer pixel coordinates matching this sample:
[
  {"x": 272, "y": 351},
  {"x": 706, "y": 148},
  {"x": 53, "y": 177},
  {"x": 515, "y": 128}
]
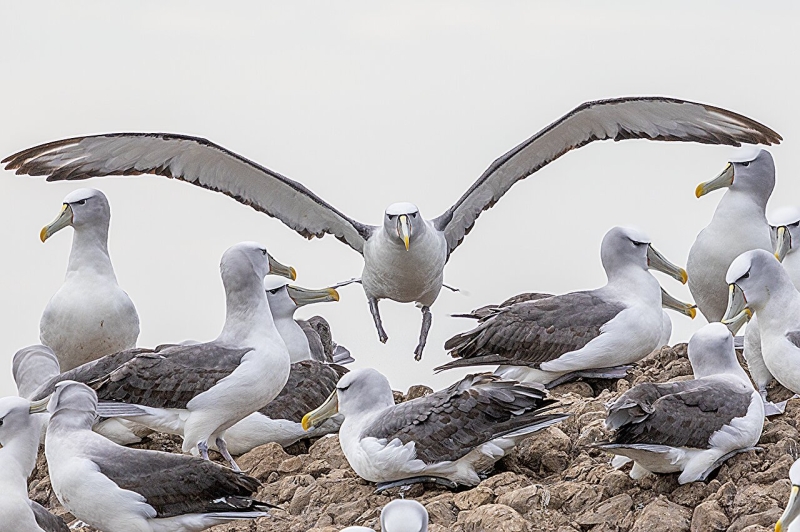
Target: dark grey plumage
[
  {"x": 310, "y": 383},
  {"x": 168, "y": 376},
  {"x": 177, "y": 484},
  {"x": 487, "y": 310},
  {"x": 47, "y": 521},
  {"x": 448, "y": 424},
  {"x": 676, "y": 414},
  {"x": 532, "y": 332}
]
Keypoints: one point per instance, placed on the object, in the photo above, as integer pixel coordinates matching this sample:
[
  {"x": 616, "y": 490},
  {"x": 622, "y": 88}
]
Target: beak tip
[
  {"x": 692, "y": 312},
  {"x": 293, "y": 273},
  {"x": 334, "y": 294},
  {"x": 43, "y": 234},
  {"x": 699, "y": 190},
  {"x": 684, "y": 276},
  {"x": 305, "y": 422}
]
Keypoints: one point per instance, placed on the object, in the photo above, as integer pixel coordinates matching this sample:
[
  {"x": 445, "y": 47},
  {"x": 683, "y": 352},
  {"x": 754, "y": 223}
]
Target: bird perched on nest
[
  {"x": 448, "y": 437},
  {"x": 404, "y": 257},
  {"x": 692, "y": 426},
  {"x": 118, "y": 489},
  {"x": 90, "y": 316},
  {"x": 594, "y": 333}
]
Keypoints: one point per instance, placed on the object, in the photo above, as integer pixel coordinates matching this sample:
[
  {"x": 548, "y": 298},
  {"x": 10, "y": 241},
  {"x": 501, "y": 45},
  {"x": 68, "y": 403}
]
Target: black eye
[
  {"x": 745, "y": 276},
  {"x": 795, "y": 224},
  {"x": 746, "y": 164},
  {"x": 343, "y": 389},
  {"x": 81, "y": 202},
  {"x": 1, "y": 422},
  {"x": 273, "y": 291},
  {"x": 413, "y": 215},
  {"x": 264, "y": 252},
  {"x": 391, "y": 216}
]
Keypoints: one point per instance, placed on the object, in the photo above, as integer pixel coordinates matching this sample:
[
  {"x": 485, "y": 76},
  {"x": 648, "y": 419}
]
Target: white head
[
  {"x": 246, "y": 259},
  {"x": 624, "y": 248},
  {"x": 284, "y": 298},
  {"x": 404, "y": 515},
  {"x": 754, "y": 177},
  {"x": 793, "y": 506},
  {"x": 85, "y": 207},
  {"x": 32, "y": 367},
  {"x": 17, "y": 418},
  {"x": 785, "y": 231},
  {"x": 403, "y": 223},
  {"x": 359, "y": 391},
  {"x": 711, "y": 351},
  {"x": 754, "y": 278}
]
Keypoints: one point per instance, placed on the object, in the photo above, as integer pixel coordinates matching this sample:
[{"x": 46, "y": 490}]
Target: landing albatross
[
  {"x": 198, "y": 391},
  {"x": 117, "y": 489},
  {"x": 449, "y": 436},
  {"x": 404, "y": 258},
  {"x": 591, "y": 333}
]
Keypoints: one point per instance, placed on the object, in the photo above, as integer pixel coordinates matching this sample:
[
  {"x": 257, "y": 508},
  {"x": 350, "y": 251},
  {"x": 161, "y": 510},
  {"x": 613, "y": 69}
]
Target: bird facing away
[
  {"x": 400, "y": 515},
  {"x": 549, "y": 339},
  {"x": 90, "y": 315},
  {"x": 404, "y": 257},
  {"x": 118, "y": 489},
  {"x": 448, "y": 436},
  {"x": 310, "y": 383},
  {"x": 739, "y": 224},
  {"x": 785, "y": 233},
  {"x": 21, "y": 425},
  {"x": 200, "y": 390},
  {"x": 759, "y": 285},
  {"x": 689, "y": 426},
  {"x": 33, "y": 367},
  {"x": 786, "y": 523},
  {"x": 302, "y": 339}
]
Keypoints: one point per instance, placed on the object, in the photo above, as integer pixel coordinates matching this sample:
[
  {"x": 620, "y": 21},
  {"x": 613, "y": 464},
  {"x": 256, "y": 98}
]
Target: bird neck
[
  {"x": 71, "y": 421},
  {"x": 737, "y": 205},
  {"x": 631, "y": 278},
  {"x": 90, "y": 251},
  {"x": 247, "y": 315},
  {"x": 18, "y": 457},
  {"x": 784, "y": 300},
  {"x": 294, "y": 337}
]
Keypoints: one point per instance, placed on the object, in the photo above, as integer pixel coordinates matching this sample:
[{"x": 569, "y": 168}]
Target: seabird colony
[
  {"x": 404, "y": 257},
  {"x": 205, "y": 392},
  {"x": 90, "y": 315},
  {"x": 592, "y": 333},
  {"x": 198, "y": 391}
]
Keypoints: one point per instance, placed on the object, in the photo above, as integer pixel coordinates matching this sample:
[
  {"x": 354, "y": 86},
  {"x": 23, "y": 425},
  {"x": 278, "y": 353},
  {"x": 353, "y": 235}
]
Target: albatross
[
  {"x": 739, "y": 224},
  {"x": 591, "y": 333},
  {"x": 448, "y": 437},
  {"x": 689, "y": 426},
  {"x": 786, "y": 523},
  {"x": 306, "y": 339},
  {"x": 117, "y": 489},
  {"x": 198, "y": 391},
  {"x": 21, "y": 425},
  {"x": 404, "y": 257},
  {"x": 90, "y": 315},
  {"x": 759, "y": 285}
]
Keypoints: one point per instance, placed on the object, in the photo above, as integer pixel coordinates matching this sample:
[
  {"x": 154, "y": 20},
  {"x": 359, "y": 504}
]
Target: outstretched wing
[
  {"x": 196, "y": 161},
  {"x": 652, "y": 118},
  {"x": 448, "y": 424}
]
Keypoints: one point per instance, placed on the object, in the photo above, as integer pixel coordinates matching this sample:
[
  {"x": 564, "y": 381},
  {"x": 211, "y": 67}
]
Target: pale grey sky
[{"x": 369, "y": 103}]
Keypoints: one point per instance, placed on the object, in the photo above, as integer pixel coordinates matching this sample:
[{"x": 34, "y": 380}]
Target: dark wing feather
[
  {"x": 683, "y": 414},
  {"x": 448, "y": 424},
  {"x": 169, "y": 378},
  {"x": 486, "y": 311},
  {"x": 176, "y": 484},
  {"x": 196, "y": 161},
  {"x": 47, "y": 521},
  {"x": 533, "y": 332},
  {"x": 794, "y": 337},
  {"x": 652, "y": 118},
  {"x": 316, "y": 344},
  {"x": 310, "y": 383}
]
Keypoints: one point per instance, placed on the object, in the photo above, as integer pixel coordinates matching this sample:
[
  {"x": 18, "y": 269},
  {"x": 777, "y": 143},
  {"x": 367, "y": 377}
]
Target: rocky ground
[{"x": 554, "y": 481}]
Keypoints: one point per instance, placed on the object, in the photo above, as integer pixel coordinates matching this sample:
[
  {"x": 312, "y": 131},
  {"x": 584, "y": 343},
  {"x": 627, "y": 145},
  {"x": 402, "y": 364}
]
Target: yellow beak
[
  {"x": 404, "y": 229},
  {"x": 63, "y": 220},
  {"x": 326, "y": 410},
  {"x": 725, "y": 179}
]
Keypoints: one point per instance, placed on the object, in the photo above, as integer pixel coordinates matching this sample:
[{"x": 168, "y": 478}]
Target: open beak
[
  {"x": 789, "y": 515},
  {"x": 64, "y": 219},
  {"x": 40, "y": 406},
  {"x": 276, "y": 268},
  {"x": 326, "y": 410},
  {"x": 303, "y": 296},
  {"x": 657, "y": 261},
  {"x": 723, "y": 180},
  {"x": 403, "y": 229},
  {"x": 738, "y": 313},
  {"x": 667, "y": 301},
  {"x": 784, "y": 243}
]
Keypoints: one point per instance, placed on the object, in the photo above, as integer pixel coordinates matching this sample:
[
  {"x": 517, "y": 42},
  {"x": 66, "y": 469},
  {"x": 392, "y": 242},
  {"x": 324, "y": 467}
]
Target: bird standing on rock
[{"x": 404, "y": 257}]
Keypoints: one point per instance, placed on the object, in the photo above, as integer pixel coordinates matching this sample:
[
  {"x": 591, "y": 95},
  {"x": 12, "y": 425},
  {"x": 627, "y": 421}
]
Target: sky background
[{"x": 369, "y": 103}]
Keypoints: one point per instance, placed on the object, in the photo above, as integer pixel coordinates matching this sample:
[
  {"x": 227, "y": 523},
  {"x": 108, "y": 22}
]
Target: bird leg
[
  {"x": 223, "y": 450},
  {"x": 383, "y": 486},
  {"x": 376, "y": 316},
  {"x": 427, "y": 318},
  {"x": 203, "y": 448}
]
